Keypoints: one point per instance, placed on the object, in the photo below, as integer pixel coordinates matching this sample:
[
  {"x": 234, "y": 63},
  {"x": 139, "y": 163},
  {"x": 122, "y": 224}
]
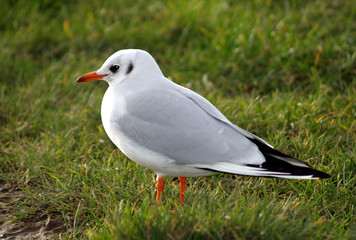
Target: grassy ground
[{"x": 283, "y": 70}]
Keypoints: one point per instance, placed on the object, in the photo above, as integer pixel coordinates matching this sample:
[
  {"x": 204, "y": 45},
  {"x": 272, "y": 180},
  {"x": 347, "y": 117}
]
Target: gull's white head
[{"x": 125, "y": 65}]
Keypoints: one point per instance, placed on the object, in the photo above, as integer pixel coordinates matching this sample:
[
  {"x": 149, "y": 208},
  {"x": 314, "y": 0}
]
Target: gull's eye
[{"x": 114, "y": 68}]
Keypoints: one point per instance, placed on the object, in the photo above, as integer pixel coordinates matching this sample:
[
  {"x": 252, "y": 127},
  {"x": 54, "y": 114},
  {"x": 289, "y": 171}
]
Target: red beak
[{"x": 90, "y": 77}]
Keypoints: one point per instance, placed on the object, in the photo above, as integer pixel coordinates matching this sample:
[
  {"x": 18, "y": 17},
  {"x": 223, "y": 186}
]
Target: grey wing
[
  {"x": 273, "y": 163},
  {"x": 177, "y": 126},
  {"x": 215, "y": 113}
]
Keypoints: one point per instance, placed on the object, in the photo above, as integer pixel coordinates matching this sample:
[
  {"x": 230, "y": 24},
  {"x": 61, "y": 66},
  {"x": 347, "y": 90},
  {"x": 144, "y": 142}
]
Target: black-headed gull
[{"x": 175, "y": 131}]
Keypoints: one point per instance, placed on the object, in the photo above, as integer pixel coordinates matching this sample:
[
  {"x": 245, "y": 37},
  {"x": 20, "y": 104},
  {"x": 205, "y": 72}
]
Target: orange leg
[
  {"x": 182, "y": 188},
  {"x": 160, "y": 186}
]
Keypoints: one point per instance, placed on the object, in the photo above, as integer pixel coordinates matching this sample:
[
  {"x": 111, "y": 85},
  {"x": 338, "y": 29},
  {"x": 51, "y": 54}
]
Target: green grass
[{"x": 284, "y": 70}]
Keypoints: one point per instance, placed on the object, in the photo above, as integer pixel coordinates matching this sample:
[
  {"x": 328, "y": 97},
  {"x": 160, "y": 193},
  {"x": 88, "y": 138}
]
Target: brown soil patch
[{"x": 38, "y": 227}]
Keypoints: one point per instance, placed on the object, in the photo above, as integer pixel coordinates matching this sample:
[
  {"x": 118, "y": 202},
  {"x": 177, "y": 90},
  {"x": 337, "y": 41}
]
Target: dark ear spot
[{"x": 130, "y": 68}]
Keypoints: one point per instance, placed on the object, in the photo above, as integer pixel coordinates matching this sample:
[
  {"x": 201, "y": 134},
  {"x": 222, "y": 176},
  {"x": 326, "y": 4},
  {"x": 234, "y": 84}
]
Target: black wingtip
[
  {"x": 275, "y": 162},
  {"x": 319, "y": 174}
]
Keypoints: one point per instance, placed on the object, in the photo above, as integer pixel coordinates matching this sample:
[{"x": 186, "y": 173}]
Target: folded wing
[{"x": 188, "y": 129}]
